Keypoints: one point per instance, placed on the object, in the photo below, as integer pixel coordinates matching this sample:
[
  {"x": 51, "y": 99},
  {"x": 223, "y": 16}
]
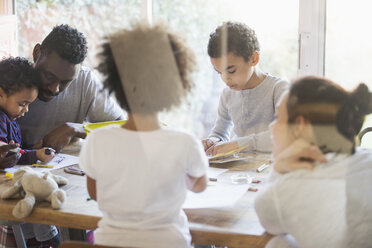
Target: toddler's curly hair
[{"x": 16, "y": 74}]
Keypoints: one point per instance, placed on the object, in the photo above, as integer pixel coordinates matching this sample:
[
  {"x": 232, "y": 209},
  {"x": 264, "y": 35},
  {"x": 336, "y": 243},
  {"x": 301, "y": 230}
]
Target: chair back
[
  {"x": 364, "y": 137},
  {"x": 80, "y": 244}
]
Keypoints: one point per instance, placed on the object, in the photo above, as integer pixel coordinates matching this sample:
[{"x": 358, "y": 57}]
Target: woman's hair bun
[
  {"x": 350, "y": 116},
  {"x": 361, "y": 99}
]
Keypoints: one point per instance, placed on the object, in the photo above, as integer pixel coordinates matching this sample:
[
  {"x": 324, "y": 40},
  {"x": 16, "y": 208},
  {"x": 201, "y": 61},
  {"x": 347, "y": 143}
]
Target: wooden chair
[
  {"x": 80, "y": 244},
  {"x": 362, "y": 133}
]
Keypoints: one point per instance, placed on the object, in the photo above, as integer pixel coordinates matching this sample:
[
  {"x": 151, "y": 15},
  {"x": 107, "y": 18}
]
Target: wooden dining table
[{"x": 233, "y": 226}]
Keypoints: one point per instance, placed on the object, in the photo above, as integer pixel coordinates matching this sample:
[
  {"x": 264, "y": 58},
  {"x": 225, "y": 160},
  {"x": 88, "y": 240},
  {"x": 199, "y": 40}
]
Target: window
[
  {"x": 94, "y": 18},
  {"x": 348, "y": 43},
  {"x": 275, "y": 22},
  {"x": 196, "y": 19},
  {"x": 8, "y": 29}
]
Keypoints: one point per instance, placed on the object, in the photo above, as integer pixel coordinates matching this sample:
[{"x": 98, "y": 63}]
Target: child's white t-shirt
[{"x": 140, "y": 181}]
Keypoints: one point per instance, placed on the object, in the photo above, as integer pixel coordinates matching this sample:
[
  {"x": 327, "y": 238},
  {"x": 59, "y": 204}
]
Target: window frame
[
  {"x": 311, "y": 37},
  {"x": 7, "y": 7},
  {"x": 147, "y": 11}
]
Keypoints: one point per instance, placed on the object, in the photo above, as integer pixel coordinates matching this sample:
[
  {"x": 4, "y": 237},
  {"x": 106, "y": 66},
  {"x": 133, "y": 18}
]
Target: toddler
[{"x": 18, "y": 88}]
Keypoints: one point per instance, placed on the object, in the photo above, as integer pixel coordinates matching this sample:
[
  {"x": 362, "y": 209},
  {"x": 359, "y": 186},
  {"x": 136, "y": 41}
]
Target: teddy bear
[{"x": 34, "y": 186}]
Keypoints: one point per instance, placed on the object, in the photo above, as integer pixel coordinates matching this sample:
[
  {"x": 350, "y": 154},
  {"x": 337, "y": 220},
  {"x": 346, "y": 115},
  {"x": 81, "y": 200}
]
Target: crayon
[
  {"x": 262, "y": 167},
  {"x": 42, "y": 165},
  {"x": 253, "y": 189},
  {"x": 9, "y": 175},
  {"x": 74, "y": 171}
]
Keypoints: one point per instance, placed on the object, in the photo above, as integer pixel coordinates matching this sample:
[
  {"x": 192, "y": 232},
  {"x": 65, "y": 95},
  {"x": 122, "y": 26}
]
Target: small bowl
[{"x": 241, "y": 178}]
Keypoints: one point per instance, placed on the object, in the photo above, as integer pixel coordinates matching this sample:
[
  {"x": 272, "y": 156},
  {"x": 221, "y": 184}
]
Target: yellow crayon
[
  {"x": 43, "y": 165},
  {"x": 9, "y": 175}
]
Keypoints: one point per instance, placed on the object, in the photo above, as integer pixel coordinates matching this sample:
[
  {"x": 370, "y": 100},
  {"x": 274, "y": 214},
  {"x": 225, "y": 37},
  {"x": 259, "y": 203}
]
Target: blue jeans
[{"x": 39, "y": 231}]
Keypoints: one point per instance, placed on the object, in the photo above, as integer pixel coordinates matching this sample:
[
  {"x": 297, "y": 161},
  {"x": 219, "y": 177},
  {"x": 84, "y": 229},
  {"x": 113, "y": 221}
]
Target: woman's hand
[
  {"x": 299, "y": 155},
  {"x": 222, "y": 148}
]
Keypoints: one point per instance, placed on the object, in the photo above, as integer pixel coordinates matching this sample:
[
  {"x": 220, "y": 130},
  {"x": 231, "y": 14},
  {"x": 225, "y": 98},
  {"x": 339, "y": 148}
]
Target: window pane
[
  {"x": 276, "y": 25},
  {"x": 8, "y": 36},
  {"x": 94, "y": 18},
  {"x": 348, "y": 42}
]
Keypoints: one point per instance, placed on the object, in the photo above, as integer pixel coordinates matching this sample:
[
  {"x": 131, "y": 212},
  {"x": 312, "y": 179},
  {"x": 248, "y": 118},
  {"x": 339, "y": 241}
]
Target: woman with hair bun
[{"x": 318, "y": 190}]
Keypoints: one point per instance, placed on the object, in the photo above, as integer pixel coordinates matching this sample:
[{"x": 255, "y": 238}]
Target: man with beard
[{"x": 68, "y": 94}]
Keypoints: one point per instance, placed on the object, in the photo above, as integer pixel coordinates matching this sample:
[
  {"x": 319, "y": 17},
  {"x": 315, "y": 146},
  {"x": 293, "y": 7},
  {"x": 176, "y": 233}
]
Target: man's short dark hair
[
  {"x": 16, "y": 74},
  {"x": 240, "y": 39},
  {"x": 67, "y": 42}
]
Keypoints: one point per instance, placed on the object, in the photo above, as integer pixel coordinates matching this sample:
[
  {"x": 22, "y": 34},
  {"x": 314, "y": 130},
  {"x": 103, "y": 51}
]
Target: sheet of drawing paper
[
  {"x": 59, "y": 161},
  {"x": 215, "y": 196},
  {"x": 214, "y": 172}
]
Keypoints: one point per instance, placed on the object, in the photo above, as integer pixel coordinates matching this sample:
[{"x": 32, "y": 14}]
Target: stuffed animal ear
[
  {"x": 20, "y": 172},
  {"x": 59, "y": 180}
]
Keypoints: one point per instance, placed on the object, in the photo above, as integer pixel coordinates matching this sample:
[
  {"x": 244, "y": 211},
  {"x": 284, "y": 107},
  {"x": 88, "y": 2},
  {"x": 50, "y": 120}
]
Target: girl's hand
[
  {"x": 45, "y": 154},
  {"x": 299, "y": 155},
  {"x": 222, "y": 148},
  {"x": 8, "y": 161}
]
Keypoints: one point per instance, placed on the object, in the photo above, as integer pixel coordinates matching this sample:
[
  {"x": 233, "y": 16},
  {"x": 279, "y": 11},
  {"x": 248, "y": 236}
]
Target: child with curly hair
[
  {"x": 18, "y": 88},
  {"x": 139, "y": 172},
  {"x": 248, "y": 104}
]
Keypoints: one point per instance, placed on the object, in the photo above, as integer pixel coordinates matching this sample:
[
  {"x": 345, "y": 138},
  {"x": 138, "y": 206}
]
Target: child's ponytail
[{"x": 350, "y": 116}]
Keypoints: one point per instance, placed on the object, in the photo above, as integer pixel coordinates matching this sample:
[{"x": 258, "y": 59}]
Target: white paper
[
  {"x": 214, "y": 172},
  {"x": 215, "y": 196},
  {"x": 59, "y": 161}
]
